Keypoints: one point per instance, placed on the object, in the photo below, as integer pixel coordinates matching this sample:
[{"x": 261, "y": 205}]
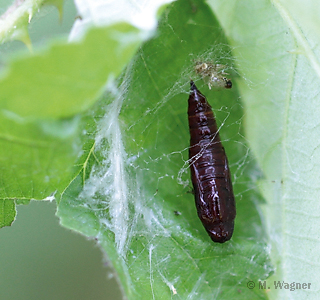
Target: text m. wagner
[{"x": 285, "y": 285}]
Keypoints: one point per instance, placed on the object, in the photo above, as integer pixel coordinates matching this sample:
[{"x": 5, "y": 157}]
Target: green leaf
[
  {"x": 34, "y": 155},
  {"x": 277, "y": 50},
  {"x": 135, "y": 175},
  {"x": 41, "y": 95},
  {"x": 7, "y": 212},
  {"x": 68, "y": 76}
]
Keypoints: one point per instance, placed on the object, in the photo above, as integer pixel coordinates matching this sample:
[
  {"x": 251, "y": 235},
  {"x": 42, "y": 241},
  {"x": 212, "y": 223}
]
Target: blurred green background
[{"x": 40, "y": 259}]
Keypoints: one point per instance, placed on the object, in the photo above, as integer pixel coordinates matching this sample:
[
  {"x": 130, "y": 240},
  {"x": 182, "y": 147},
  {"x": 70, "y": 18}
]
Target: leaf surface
[
  {"x": 41, "y": 98},
  {"x": 277, "y": 45},
  {"x": 132, "y": 194}
]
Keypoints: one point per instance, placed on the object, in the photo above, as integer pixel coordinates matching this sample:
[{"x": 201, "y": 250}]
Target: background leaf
[
  {"x": 135, "y": 173},
  {"x": 39, "y": 127},
  {"x": 277, "y": 46},
  {"x": 68, "y": 76}
]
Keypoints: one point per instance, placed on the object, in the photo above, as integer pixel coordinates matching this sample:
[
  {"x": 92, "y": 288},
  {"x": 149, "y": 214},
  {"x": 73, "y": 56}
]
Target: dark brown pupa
[{"x": 210, "y": 172}]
